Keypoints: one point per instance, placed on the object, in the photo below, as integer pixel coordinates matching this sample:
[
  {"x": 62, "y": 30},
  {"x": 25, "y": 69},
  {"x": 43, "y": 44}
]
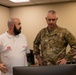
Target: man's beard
[{"x": 17, "y": 31}]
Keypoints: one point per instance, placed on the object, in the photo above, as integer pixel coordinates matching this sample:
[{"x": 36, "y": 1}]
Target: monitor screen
[{"x": 46, "y": 70}]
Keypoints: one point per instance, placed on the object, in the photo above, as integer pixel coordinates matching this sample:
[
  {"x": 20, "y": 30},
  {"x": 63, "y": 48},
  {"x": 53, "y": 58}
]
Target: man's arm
[
  {"x": 72, "y": 42},
  {"x": 36, "y": 45},
  {"x": 3, "y": 68}
]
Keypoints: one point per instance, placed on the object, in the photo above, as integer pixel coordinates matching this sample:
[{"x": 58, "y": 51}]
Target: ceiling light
[{"x": 17, "y": 1}]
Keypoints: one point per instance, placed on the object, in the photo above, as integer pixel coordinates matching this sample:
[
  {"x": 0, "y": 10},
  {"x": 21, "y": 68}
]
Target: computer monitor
[{"x": 46, "y": 70}]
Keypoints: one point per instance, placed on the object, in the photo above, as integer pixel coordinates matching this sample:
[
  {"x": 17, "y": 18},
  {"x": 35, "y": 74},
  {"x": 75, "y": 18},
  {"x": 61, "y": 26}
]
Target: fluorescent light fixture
[{"x": 17, "y": 1}]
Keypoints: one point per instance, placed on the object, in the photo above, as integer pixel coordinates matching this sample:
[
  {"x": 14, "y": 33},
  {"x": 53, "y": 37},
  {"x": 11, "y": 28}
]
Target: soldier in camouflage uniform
[{"x": 51, "y": 42}]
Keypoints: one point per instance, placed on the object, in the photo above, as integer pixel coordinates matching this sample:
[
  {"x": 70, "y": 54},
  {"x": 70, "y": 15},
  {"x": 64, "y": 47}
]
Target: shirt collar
[
  {"x": 11, "y": 36},
  {"x": 52, "y": 29}
]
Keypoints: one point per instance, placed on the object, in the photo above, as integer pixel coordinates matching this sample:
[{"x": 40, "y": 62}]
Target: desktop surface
[{"x": 46, "y": 70}]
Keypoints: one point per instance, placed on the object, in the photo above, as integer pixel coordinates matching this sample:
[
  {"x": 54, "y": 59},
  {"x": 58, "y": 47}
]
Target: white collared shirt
[{"x": 13, "y": 50}]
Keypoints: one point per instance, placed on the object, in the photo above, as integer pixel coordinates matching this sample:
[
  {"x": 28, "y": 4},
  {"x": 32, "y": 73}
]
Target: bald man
[{"x": 13, "y": 47}]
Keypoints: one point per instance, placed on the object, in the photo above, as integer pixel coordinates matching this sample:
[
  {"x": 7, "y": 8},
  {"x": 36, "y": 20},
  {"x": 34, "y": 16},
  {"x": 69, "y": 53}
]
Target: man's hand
[
  {"x": 62, "y": 62},
  {"x": 40, "y": 61},
  {"x": 3, "y": 68}
]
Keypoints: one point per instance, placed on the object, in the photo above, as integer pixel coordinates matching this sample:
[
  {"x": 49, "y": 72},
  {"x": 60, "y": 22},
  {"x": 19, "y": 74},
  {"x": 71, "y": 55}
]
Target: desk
[{"x": 46, "y": 70}]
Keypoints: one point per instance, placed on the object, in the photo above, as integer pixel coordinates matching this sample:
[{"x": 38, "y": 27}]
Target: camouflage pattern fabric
[{"x": 52, "y": 44}]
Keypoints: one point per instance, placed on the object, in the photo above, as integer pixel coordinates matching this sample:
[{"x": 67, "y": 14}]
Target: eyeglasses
[{"x": 52, "y": 19}]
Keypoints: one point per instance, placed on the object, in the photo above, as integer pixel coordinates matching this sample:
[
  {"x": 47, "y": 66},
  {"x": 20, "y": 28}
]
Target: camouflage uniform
[{"x": 53, "y": 44}]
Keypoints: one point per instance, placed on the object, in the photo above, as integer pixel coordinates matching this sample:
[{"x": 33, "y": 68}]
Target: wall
[
  {"x": 4, "y": 16},
  {"x": 33, "y": 18}
]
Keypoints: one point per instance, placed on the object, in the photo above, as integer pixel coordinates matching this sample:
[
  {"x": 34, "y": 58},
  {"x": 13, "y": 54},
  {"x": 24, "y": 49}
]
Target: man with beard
[
  {"x": 51, "y": 42},
  {"x": 13, "y": 48}
]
